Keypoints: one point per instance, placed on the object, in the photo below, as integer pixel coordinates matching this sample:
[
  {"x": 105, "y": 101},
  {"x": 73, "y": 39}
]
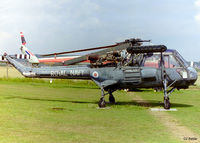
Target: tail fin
[
  {"x": 23, "y": 39},
  {"x": 33, "y": 59}
]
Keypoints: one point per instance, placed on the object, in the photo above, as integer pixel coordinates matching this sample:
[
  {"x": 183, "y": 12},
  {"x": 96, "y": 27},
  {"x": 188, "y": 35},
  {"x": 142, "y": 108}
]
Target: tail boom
[{"x": 82, "y": 72}]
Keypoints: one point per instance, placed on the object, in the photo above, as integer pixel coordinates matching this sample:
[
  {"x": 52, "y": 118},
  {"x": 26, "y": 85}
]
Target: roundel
[{"x": 95, "y": 74}]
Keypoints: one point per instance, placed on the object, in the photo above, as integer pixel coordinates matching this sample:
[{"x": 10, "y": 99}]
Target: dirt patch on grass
[
  {"x": 172, "y": 124},
  {"x": 58, "y": 108},
  {"x": 181, "y": 132}
]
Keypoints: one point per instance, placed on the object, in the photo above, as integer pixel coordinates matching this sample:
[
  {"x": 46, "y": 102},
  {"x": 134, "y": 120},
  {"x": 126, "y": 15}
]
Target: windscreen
[
  {"x": 182, "y": 60},
  {"x": 172, "y": 60}
]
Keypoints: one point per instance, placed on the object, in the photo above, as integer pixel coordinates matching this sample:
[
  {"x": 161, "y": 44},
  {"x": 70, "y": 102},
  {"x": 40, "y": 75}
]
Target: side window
[
  {"x": 152, "y": 60},
  {"x": 166, "y": 59},
  {"x": 173, "y": 62}
]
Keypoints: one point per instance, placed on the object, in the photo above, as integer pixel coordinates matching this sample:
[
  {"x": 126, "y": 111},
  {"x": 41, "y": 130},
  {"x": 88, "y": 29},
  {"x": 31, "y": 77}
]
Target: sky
[{"x": 53, "y": 26}]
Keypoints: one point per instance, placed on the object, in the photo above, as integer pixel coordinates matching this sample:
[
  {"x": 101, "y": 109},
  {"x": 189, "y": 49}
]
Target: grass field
[{"x": 66, "y": 111}]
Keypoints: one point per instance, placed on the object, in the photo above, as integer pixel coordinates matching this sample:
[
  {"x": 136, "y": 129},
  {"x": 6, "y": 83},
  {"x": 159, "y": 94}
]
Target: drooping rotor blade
[
  {"x": 130, "y": 49},
  {"x": 132, "y": 41},
  {"x": 76, "y": 60},
  {"x": 116, "y": 47},
  {"x": 82, "y": 50},
  {"x": 119, "y": 46}
]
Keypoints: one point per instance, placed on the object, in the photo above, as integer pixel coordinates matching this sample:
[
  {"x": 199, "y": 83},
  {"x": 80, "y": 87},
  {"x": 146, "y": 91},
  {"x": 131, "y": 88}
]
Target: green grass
[
  {"x": 58, "y": 83},
  {"x": 35, "y": 112},
  {"x": 187, "y": 102}
]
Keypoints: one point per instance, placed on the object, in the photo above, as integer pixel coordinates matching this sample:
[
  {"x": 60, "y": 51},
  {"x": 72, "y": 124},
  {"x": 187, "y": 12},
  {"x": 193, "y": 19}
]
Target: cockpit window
[
  {"x": 181, "y": 59},
  {"x": 153, "y": 60},
  {"x": 173, "y": 63}
]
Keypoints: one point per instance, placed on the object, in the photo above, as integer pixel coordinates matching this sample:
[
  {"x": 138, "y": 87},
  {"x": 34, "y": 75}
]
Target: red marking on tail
[
  {"x": 22, "y": 38},
  {"x": 21, "y": 34}
]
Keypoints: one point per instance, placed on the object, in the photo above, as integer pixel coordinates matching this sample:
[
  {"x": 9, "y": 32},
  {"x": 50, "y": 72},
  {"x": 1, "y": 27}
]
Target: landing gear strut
[
  {"x": 167, "y": 104},
  {"x": 166, "y": 98},
  {"x": 102, "y": 102}
]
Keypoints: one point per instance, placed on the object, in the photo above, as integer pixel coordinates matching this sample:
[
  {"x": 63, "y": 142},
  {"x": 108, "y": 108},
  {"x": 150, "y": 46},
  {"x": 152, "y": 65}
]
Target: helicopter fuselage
[
  {"x": 166, "y": 70},
  {"x": 148, "y": 74}
]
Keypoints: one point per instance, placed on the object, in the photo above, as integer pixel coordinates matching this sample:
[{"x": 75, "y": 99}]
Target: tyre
[
  {"x": 102, "y": 103},
  {"x": 111, "y": 99},
  {"x": 167, "y": 103}
]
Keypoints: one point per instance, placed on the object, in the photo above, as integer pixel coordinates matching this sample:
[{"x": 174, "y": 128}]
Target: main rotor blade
[
  {"x": 82, "y": 50},
  {"x": 117, "y": 47},
  {"x": 130, "y": 49}
]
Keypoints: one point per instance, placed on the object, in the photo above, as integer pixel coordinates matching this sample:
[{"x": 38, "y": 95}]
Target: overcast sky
[{"x": 62, "y": 25}]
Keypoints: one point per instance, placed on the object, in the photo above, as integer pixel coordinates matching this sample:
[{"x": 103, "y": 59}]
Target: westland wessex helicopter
[{"x": 125, "y": 65}]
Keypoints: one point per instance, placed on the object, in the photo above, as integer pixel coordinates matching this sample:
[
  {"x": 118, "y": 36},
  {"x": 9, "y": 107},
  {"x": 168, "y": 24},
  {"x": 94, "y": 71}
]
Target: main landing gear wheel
[
  {"x": 166, "y": 103},
  {"x": 112, "y": 99},
  {"x": 102, "y": 103}
]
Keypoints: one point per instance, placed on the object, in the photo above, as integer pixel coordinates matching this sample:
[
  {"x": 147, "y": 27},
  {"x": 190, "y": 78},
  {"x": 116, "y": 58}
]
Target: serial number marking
[
  {"x": 132, "y": 70},
  {"x": 29, "y": 74}
]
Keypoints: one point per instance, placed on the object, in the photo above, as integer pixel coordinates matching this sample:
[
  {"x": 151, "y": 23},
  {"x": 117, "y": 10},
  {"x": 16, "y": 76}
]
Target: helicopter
[{"x": 125, "y": 65}]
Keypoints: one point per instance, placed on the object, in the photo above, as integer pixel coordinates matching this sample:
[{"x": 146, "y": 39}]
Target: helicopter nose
[{"x": 193, "y": 75}]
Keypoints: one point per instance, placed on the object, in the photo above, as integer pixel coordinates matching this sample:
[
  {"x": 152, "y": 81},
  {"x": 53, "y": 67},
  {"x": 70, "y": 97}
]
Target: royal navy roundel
[{"x": 95, "y": 74}]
